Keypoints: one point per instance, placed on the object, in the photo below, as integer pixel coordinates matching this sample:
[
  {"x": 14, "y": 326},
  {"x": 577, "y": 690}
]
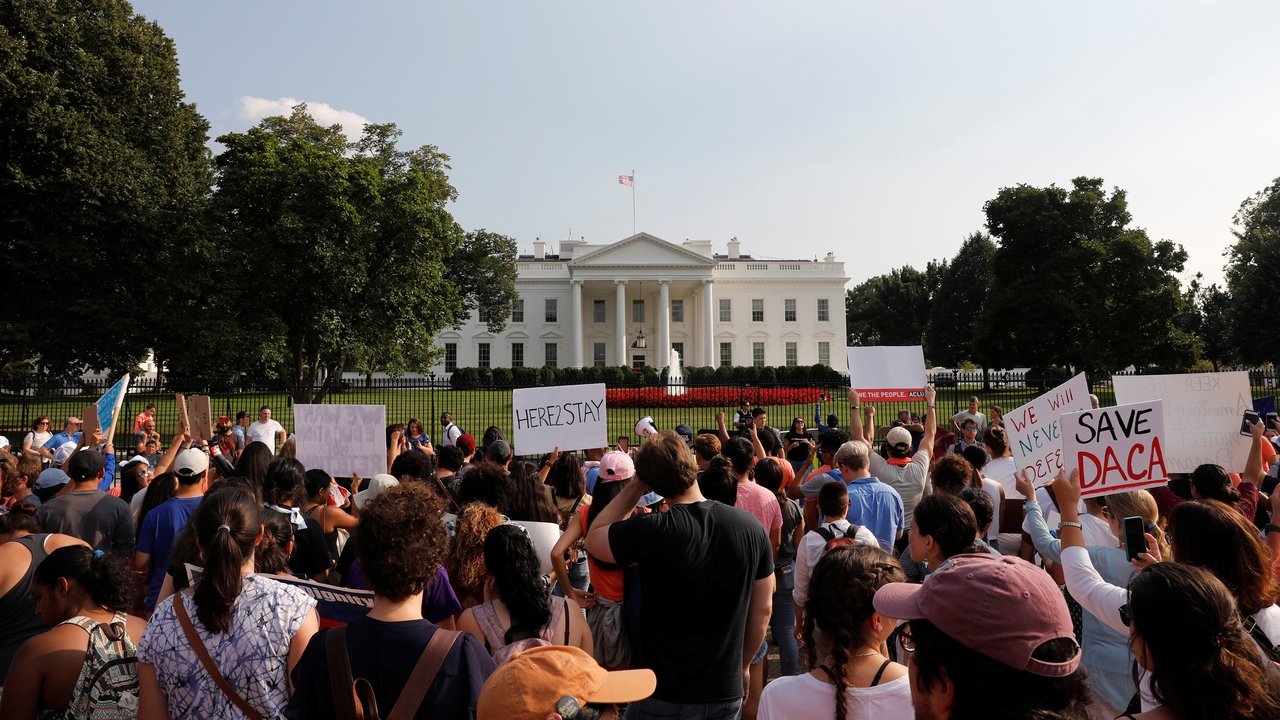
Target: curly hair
[
  {"x": 401, "y": 540},
  {"x": 104, "y": 577},
  {"x": 843, "y": 584},
  {"x": 511, "y": 559},
  {"x": 411, "y": 466},
  {"x": 1205, "y": 664},
  {"x": 465, "y": 564},
  {"x": 1216, "y": 537},
  {"x": 953, "y": 473},
  {"x": 486, "y": 483}
]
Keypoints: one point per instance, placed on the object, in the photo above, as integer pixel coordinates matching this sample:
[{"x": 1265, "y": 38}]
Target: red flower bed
[{"x": 726, "y": 397}]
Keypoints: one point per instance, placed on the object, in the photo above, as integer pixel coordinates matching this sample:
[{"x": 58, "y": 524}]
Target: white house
[{"x": 632, "y": 301}]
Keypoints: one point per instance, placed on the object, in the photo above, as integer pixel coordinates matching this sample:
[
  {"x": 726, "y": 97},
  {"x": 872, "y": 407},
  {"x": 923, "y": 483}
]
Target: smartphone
[
  {"x": 1249, "y": 417},
  {"x": 1271, "y": 421},
  {"x": 1134, "y": 541}
]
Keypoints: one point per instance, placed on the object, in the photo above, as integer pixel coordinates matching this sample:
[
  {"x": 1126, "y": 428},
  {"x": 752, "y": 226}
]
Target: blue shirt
[
  {"x": 877, "y": 507},
  {"x": 108, "y": 472},
  {"x": 592, "y": 476},
  {"x": 61, "y": 439},
  {"x": 159, "y": 529}
]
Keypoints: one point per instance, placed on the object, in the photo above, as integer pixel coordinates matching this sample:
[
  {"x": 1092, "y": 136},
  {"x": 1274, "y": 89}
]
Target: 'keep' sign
[{"x": 1116, "y": 449}]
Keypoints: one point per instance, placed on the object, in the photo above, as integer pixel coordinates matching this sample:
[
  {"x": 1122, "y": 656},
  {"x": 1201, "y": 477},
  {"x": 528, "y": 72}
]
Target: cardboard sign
[
  {"x": 335, "y": 605},
  {"x": 342, "y": 439},
  {"x": 107, "y": 409},
  {"x": 1116, "y": 449},
  {"x": 89, "y": 425},
  {"x": 1035, "y": 433},
  {"x": 887, "y": 373},
  {"x": 198, "y": 409},
  {"x": 1202, "y": 414},
  {"x": 180, "y": 401},
  {"x": 570, "y": 417}
]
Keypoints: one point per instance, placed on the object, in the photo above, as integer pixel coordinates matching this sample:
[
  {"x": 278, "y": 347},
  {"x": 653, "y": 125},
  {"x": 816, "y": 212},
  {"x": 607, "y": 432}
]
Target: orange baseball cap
[{"x": 554, "y": 681}]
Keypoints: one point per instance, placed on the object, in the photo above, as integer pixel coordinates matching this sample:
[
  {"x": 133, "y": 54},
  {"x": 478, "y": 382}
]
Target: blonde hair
[{"x": 1139, "y": 503}]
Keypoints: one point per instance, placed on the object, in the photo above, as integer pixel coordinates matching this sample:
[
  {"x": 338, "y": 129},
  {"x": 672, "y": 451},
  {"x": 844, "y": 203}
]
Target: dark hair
[
  {"x": 35, "y": 424},
  {"x": 831, "y": 440},
  {"x": 21, "y": 517},
  {"x": 768, "y": 475},
  {"x": 486, "y": 483},
  {"x": 413, "y": 421},
  {"x": 984, "y": 511},
  {"x": 491, "y": 435},
  {"x": 510, "y": 558},
  {"x": 719, "y": 481},
  {"x": 833, "y": 420},
  {"x": 566, "y": 477},
  {"x": 952, "y": 473},
  {"x": 449, "y": 457},
  {"x": 315, "y": 481},
  {"x": 1205, "y": 664},
  {"x": 757, "y": 412},
  {"x": 1216, "y": 537},
  {"x": 796, "y": 419},
  {"x": 526, "y": 499},
  {"x": 1211, "y": 482},
  {"x": 600, "y": 499},
  {"x": 740, "y": 452},
  {"x": 976, "y": 456},
  {"x": 394, "y": 428},
  {"x": 226, "y": 525},
  {"x": 833, "y": 499},
  {"x": 130, "y": 483},
  {"x": 162, "y": 488},
  {"x": 8, "y": 475},
  {"x": 413, "y": 466},
  {"x": 665, "y": 464},
  {"x": 978, "y": 679},
  {"x": 401, "y": 540},
  {"x": 843, "y": 583},
  {"x": 241, "y": 415},
  {"x": 104, "y": 576},
  {"x": 272, "y": 555},
  {"x": 285, "y": 483},
  {"x": 996, "y": 439},
  {"x": 949, "y": 521},
  {"x": 264, "y": 407},
  {"x": 252, "y": 465}
]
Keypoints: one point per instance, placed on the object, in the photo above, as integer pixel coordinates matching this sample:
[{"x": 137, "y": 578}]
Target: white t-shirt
[
  {"x": 813, "y": 546},
  {"x": 977, "y": 417},
  {"x": 992, "y": 488},
  {"x": 264, "y": 432},
  {"x": 1001, "y": 470},
  {"x": 451, "y": 434},
  {"x": 804, "y": 696}
]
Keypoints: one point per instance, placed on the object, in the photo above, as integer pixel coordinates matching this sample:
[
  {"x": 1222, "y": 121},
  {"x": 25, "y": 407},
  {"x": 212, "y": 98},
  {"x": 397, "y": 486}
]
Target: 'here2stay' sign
[{"x": 1116, "y": 449}]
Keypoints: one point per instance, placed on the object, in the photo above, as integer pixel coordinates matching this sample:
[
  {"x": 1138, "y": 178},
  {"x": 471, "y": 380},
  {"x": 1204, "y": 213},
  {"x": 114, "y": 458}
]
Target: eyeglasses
[
  {"x": 1126, "y": 615},
  {"x": 904, "y": 637},
  {"x": 43, "y": 422}
]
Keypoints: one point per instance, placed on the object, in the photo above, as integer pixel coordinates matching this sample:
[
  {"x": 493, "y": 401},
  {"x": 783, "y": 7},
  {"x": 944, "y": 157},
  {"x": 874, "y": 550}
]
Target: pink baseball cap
[
  {"x": 616, "y": 465},
  {"x": 1002, "y": 607}
]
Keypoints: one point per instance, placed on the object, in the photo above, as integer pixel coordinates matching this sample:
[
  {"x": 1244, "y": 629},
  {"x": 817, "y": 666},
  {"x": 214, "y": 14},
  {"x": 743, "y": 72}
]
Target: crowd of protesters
[{"x": 920, "y": 577}]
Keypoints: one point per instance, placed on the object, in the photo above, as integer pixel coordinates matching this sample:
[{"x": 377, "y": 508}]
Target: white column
[
  {"x": 709, "y": 358},
  {"x": 575, "y": 315},
  {"x": 620, "y": 323},
  {"x": 664, "y": 324}
]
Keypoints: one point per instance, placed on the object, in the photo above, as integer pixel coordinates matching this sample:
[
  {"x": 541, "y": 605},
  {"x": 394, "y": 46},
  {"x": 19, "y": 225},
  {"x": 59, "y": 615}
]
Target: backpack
[
  {"x": 845, "y": 539},
  {"x": 107, "y": 688},
  {"x": 351, "y": 703},
  {"x": 1271, "y": 649}
]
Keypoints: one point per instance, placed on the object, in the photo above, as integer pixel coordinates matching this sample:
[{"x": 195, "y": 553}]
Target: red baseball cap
[{"x": 1002, "y": 607}]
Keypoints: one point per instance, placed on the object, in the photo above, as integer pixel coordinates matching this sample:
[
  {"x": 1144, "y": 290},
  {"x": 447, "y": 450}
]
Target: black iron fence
[{"x": 475, "y": 409}]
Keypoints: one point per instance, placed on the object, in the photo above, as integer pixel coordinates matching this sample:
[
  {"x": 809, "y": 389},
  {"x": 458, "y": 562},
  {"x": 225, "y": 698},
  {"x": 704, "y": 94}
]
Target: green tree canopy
[
  {"x": 892, "y": 309},
  {"x": 956, "y": 308},
  {"x": 102, "y": 185},
  {"x": 1074, "y": 284},
  {"x": 1253, "y": 269}
]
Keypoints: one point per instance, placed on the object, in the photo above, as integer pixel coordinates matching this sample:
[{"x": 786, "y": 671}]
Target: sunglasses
[
  {"x": 904, "y": 637},
  {"x": 1126, "y": 615}
]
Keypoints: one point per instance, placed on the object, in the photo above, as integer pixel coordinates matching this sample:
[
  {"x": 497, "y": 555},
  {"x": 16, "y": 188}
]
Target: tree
[
  {"x": 1073, "y": 284},
  {"x": 891, "y": 309},
  {"x": 483, "y": 269},
  {"x": 1209, "y": 321},
  {"x": 1253, "y": 267},
  {"x": 102, "y": 186},
  {"x": 341, "y": 254},
  {"x": 956, "y": 307}
]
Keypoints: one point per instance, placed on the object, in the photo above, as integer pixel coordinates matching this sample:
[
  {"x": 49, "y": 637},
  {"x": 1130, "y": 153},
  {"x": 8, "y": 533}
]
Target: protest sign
[
  {"x": 342, "y": 439},
  {"x": 1035, "y": 434},
  {"x": 1116, "y": 449},
  {"x": 887, "y": 373},
  {"x": 89, "y": 424},
  {"x": 1202, "y": 414},
  {"x": 570, "y": 417},
  {"x": 198, "y": 409},
  {"x": 335, "y": 605},
  {"x": 107, "y": 409},
  {"x": 180, "y": 401}
]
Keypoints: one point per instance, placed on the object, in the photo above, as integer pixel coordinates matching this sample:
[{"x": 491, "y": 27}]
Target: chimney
[
  {"x": 735, "y": 249},
  {"x": 539, "y": 249}
]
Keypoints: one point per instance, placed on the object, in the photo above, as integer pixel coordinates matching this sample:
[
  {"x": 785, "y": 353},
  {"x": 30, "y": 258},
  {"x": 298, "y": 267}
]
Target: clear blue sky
[{"x": 872, "y": 130}]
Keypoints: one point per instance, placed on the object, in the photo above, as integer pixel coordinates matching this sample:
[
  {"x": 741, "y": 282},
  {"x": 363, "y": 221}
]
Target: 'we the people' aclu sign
[
  {"x": 887, "y": 373},
  {"x": 1035, "y": 433},
  {"x": 569, "y": 417},
  {"x": 1116, "y": 449}
]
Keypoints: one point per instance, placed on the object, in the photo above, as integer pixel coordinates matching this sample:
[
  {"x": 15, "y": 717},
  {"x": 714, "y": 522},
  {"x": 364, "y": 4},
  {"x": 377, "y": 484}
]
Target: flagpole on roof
[{"x": 633, "y": 202}]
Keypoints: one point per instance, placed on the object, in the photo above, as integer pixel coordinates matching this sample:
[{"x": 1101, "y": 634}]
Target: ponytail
[
  {"x": 102, "y": 575},
  {"x": 226, "y": 524}
]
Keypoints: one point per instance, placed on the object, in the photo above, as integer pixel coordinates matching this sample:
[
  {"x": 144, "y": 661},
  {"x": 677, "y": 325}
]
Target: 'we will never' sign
[
  {"x": 1116, "y": 449},
  {"x": 1035, "y": 432}
]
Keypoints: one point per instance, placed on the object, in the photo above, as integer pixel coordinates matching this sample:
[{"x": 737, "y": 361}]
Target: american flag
[{"x": 627, "y": 180}]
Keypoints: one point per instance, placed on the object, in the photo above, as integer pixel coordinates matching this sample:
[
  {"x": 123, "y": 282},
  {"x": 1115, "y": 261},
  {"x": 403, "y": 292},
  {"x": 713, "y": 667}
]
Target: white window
[
  {"x": 597, "y": 311},
  {"x": 517, "y": 311},
  {"x": 726, "y": 310},
  {"x": 793, "y": 357},
  {"x": 789, "y": 310},
  {"x": 677, "y": 311},
  {"x": 598, "y": 354},
  {"x": 757, "y": 310},
  {"x": 824, "y": 353},
  {"x": 637, "y": 311},
  {"x": 757, "y": 354},
  {"x": 483, "y": 355},
  {"x": 552, "y": 354},
  {"x": 552, "y": 314},
  {"x": 824, "y": 310},
  {"x": 517, "y": 355},
  {"x": 726, "y": 354}
]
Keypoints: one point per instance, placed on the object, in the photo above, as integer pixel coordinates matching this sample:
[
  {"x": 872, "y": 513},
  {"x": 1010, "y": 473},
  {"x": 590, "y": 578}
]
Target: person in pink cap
[{"x": 988, "y": 636}]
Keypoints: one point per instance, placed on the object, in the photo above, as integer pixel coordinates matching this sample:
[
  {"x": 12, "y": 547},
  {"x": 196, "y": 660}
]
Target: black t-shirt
[
  {"x": 385, "y": 653},
  {"x": 698, "y": 563},
  {"x": 310, "y": 550},
  {"x": 799, "y": 452}
]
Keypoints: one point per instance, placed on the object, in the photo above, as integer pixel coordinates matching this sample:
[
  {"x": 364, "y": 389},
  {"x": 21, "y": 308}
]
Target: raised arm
[
  {"x": 869, "y": 427},
  {"x": 930, "y": 420},
  {"x": 1253, "y": 466},
  {"x": 721, "y": 430},
  {"x": 619, "y": 508},
  {"x": 855, "y": 414}
]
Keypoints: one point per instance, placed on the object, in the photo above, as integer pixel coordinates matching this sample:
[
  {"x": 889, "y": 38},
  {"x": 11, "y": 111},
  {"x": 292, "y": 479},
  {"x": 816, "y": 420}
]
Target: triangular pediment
[{"x": 642, "y": 250}]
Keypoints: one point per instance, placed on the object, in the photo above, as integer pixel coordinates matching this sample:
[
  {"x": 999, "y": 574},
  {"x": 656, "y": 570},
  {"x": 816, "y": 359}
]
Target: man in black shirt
[{"x": 706, "y": 585}]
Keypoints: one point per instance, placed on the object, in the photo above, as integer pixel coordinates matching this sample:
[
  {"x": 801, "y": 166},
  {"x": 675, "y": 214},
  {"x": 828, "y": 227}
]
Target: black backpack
[{"x": 847, "y": 538}]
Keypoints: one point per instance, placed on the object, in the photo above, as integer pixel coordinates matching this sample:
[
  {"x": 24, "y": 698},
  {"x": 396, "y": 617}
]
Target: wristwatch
[{"x": 1070, "y": 523}]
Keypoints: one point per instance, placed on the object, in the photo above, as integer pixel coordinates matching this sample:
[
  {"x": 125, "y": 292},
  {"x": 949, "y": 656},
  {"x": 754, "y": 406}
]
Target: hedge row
[{"x": 470, "y": 377}]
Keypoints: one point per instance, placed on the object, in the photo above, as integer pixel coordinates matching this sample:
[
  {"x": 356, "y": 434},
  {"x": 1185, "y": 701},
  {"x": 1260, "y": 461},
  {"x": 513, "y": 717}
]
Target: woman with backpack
[
  {"x": 83, "y": 594},
  {"x": 518, "y": 611}
]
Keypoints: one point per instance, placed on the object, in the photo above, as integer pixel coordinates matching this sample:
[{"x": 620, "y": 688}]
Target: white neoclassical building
[{"x": 631, "y": 302}]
